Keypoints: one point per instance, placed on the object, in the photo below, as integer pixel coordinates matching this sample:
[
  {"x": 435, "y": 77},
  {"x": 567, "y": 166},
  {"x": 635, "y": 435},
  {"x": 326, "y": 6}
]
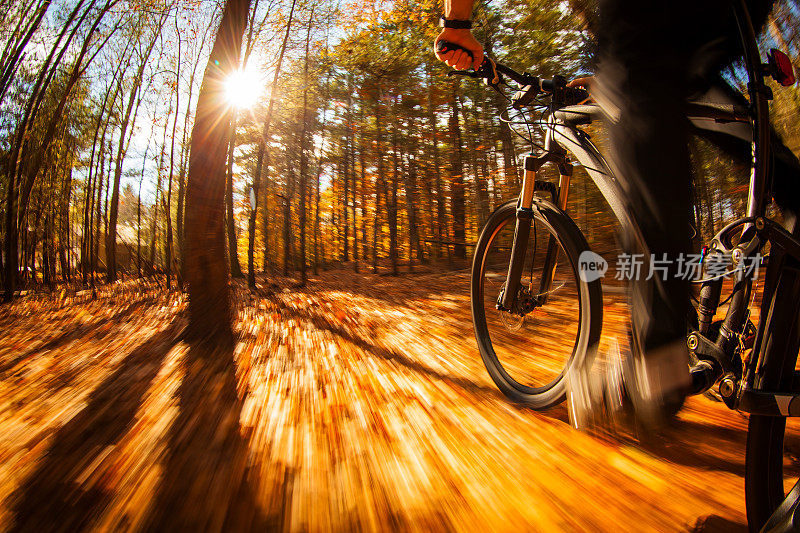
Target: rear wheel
[
  {"x": 771, "y": 468},
  {"x": 553, "y": 325}
]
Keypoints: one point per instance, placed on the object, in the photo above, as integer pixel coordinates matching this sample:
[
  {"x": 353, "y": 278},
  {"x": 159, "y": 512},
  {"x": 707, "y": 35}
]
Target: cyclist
[{"x": 652, "y": 56}]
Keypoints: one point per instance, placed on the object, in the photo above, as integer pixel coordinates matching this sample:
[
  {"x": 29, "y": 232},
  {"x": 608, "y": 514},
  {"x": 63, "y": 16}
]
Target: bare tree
[
  {"x": 262, "y": 160},
  {"x": 304, "y": 158},
  {"x": 111, "y": 235}
]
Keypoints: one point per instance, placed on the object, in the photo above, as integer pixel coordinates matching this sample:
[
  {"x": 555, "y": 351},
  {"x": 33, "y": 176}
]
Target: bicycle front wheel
[{"x": 557, "y": 318}]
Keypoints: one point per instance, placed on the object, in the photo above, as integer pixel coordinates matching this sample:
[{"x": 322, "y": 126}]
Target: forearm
[
  {"x": 470, "y": 53},
  {"x": 458, "y": 9}
]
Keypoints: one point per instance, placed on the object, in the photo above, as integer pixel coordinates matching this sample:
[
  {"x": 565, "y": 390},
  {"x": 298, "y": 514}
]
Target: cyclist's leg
[
  {"x": 786, "y": 184},
  {"x": 643, "y": 80},
  {"x": 648, "y": 53}
]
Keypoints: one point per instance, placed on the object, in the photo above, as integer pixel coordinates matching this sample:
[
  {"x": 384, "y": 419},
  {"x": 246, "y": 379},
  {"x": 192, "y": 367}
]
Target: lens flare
[{"x": 243, "y": 87}]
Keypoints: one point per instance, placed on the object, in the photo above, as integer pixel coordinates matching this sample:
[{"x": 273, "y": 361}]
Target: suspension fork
[
  {"x": 522, "y": 229},
  {"x": 551, "y": 258}
]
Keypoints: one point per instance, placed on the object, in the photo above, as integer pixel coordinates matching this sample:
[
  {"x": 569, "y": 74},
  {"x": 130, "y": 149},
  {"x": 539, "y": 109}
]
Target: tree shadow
[
  {"x": 384, "y": 287},
  {"x": 717, "y": 524},
  {"x": 323, "y": 322},
  {"x": 79, "y": 330},
  {"x": 51, "y": 499},
  {"x": 205, "y": 484},
  {"x": 695, "y": 444}
]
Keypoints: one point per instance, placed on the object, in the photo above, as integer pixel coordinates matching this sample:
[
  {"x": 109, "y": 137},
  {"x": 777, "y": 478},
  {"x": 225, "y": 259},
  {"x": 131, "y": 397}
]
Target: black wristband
[{"x": 455, "y": 24}]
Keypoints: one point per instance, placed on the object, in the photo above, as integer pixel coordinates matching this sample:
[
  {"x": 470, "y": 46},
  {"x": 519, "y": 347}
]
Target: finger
[
  {"x": 585, "y": 82},
  {"x": 442, "y": 56},
  {"x": 478, "y": 59},
  {"x": 447, "y": 56},
  {"x": 465, "y": 62},
  {"x": 453, "y": 61}
]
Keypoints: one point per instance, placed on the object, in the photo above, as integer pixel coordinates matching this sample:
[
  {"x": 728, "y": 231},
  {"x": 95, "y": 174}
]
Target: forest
[
  {"x": 301, "y": 182},
  {"x": 347, "y": 142}
]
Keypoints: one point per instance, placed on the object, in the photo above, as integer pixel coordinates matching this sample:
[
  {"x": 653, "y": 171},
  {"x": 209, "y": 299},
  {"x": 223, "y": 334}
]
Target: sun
[{"x": 243, "y": 87}]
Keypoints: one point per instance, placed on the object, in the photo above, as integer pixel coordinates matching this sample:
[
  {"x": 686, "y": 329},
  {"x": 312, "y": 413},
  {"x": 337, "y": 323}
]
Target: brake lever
[
  {"x": 468, "y": 73},
  {"x": 487, "y": 70}
]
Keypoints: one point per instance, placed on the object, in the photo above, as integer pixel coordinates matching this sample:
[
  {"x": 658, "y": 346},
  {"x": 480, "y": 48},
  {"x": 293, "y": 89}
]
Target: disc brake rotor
[{"x": 511, "y": 322}]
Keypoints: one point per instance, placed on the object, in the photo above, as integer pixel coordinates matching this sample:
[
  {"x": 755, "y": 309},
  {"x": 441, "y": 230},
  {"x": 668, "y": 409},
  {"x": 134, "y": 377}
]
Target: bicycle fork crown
[{"x": 532, "y": 164}]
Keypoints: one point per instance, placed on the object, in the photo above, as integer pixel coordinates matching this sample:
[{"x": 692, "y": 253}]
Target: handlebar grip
[{"x": 446, "y": 46}]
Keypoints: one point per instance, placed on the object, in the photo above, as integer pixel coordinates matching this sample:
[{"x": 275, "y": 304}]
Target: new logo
[{"x": 591, "y": 266}]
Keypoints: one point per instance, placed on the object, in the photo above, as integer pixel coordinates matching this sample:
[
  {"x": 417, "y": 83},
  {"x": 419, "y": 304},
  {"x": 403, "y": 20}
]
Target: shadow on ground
[{"x": 203, "y": 485}]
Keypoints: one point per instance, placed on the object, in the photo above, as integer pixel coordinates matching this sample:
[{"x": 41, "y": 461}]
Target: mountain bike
[{"x": 531, "y": 260}]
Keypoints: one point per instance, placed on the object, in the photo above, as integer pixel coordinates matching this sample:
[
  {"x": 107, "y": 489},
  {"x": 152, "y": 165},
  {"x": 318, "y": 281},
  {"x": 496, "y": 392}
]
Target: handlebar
[{"x": 492, "y": 73}]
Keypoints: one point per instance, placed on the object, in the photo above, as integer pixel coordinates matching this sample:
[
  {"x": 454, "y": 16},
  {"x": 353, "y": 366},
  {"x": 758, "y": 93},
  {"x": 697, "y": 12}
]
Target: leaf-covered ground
[{"x": 357, "y": 403}]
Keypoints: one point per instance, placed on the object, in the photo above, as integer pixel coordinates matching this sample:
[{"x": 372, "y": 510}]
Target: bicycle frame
[{"x": 738, "y": 386}]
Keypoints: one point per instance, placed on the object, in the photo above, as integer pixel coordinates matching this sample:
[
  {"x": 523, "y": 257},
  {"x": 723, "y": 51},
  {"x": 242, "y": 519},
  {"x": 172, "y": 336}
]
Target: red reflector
[{"x": 781, "y": 67}]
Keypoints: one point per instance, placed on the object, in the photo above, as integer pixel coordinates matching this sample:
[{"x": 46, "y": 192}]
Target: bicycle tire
[
  {"x": 764, "y": 475},
  {"x": 590, "y": 310}
]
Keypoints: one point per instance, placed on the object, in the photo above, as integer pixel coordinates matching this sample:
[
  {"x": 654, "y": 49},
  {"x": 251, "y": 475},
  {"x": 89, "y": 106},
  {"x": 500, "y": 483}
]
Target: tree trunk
[
  {"x": 111, "y": 236},
  {"x": 99, "y": 208},
  {"x": 63, "y": 240},
  {"x": 381, "y": 182},
  {"x": 457, "y": 200},
  {"x": 440, "y": 197},
  {"x": 352, "y": 148},
  {"x": 172, "y": 155},
  {"x": 261, "y": 158},
  {"x": 392, "y": 205},
  {"x": 268, "y": 122},
  {"x": 317, "y": 217},
  {"x": 347, "y": 169},
  {"x": 480, "y": 200},
  {"x": 77, "y": 71},
  {"x": 362, "y": 149},
  {"x": 507, "y": 139},
  {"x": 37, "y": 93},
  {"x": 13, "y": 59},
  {"x": 233, "y": 248},
  {"x": 304, "y": 160},
  {"x": 139, "y": 216},
  {"x": 159, "y": 191},
  {"x": 184, "y": 153},
  {"x": 411, "y": 207},
  {"x": 316, "y": 211},
  {"x": 376, "y": 226},
  {"x": 206, "y": 271},
  {"x": 88, "y": 213},
  {"x": 287, "y": 234}
]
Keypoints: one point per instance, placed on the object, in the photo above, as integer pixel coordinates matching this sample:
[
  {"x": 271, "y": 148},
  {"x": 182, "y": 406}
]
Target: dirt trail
[{"x": 358, "y": 403}]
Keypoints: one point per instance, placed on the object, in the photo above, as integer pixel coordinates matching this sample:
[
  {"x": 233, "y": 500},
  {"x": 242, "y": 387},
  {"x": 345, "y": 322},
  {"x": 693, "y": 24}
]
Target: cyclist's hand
[
  {"x": 585, "y": 83},
  {"x": 458, "y": 59}
]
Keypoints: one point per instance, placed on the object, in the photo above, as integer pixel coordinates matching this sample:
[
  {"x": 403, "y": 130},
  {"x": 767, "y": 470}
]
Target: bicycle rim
[{"x": 528, "y": 355}]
